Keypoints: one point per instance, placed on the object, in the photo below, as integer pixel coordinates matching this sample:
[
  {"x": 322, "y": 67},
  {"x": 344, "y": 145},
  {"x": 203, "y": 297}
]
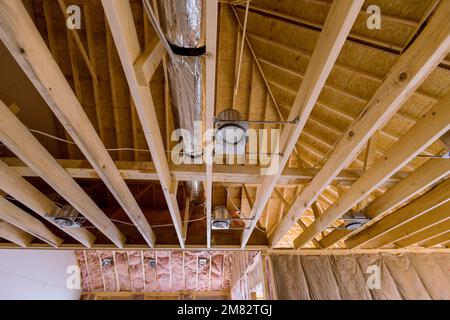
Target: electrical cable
[{"x": 236, "y": 208}]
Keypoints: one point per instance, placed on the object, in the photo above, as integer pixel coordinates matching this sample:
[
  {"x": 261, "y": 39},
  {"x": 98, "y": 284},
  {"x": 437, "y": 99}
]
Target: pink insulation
[
  {"x": 149, "y": 273},
  {"x": 123, "y": 275},
  {"x": 163, "y": 271},
  {"x": 174, "y": 271},
  {"x": 109, "y": 272},
  {"x": 84, "y": 271},
  {"x": 190, "y": 270},
  {"x": 135, "y": 271},
  {"x": 176, "y": 265}
]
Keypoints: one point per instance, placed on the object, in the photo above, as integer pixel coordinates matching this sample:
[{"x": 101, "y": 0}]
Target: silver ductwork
[{"x": 183, "y": 24}]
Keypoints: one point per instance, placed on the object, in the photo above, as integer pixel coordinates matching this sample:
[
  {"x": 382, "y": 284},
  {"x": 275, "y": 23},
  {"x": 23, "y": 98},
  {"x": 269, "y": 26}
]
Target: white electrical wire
[
  {"x": 236, "y": 208},
  {"x": 141, "y": 150},
  {"x": 159, "y": 226}
]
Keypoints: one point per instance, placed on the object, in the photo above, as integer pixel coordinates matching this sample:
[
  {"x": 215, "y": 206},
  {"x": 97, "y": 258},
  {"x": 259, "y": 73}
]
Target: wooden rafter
[
  {"x": 22, "y": 220},
  {"x": 18, "y": 139},
  {"x": 339, "y": 22},
  {"x": 431, "y": 223},
  {"x": 406, "y": 75},
  {"x": 21, "y": 190},
  {"x": 28, "y": 48},
  {"x": 434, "y": 124},
  {"x": 210, "y": 103},
  {"x": 232, "y": 174},
  {"x": 121, "y": 23},
  {"x": 434, "y": 198},
  {"x": 424, "y": 177},
  {"x": 14, "y": 234}
]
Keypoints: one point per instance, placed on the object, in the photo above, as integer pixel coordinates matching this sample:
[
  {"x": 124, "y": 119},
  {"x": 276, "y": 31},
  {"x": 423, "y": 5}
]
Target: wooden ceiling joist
[
  {"x": 24, "y": 221},
  {"x": 410, "y": 70},
  {"x": 210, "y": 103},
  {"x": 433, "y": 125},
  {"x": 432, "y": 199},
  {"x": 26, "y": 45},
  {"x": 14, "y": 234},
  {"x": 21, "y": 190},
  {"x": 434, "y": 231},
  {"x": 340, "y": 20},
  {"x": 20, "y": 141},
  {"x": 121, "y": 23},
  {"x": 230, "y": 174},
  {"x": 418, "y": 229},
  {"x": 418, "y": 181},
  {"x": 442, "y": 239}
]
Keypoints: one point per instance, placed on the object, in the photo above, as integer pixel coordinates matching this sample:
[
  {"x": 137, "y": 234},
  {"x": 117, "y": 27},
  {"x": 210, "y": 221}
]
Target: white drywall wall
[{"x": 36, "y": 274}]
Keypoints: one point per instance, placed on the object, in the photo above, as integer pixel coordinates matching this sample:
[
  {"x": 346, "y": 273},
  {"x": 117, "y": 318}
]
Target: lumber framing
[
  {"x": 234, "y": 174},
  {"x": 18, "y": 139},
  {"x": 418, "y": 229},
  {"x": 28, "y": 48},
  {"x": 265, "y": 249},
  {"x": 434, "y": 124},
  {"x": 21, "y": 190},
  {"x": 210, "y": 104},
  {"x": 120, "y": 19},
  {"x": 415, "y": 183},
  {"x": 434, "y": 241},
  {"x": 24, "y": 221},
  {"x": 410, "y": 70},
  {"x": 14, "y": 234},
  {"x": 432, "y": 199},
  {"x": 338, "y": 24},
  {"x": 148, "y": 62}
]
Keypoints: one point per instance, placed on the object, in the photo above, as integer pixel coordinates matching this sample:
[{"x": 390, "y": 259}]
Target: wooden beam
[
  {"x": 231, "y": 174},
  {"x": 118, "y": 98},
  {"x": 20, "y": 141},
  {"x": 120, "y": 19},
  {"x": 92, "y": 52},
  {"x": 247, "y": 195},
  {"x": 30, "y": 51},
  {"x": 14, "y": 234},
  {"x": 410, "y": 70},
  {"x": 434, "y": 124},
  {"x": 187, "y": 212},
  {"x": 338, "y": 24},
  {"x": 79, "y": 44},
  {"x": 418, "y": 181},
  {"x": 300, "y": 222},
  {"x": 21, "y": 190},
  {"x": 436, "y": 241},
  {"x": 47, "y": 8},
  {"x": 22, "y": 220},
  {"x": 434, "y": 198},
  {"x": 210, "y": 104},
  {"x": 417, "y": 229},
  {"x": 146, "y": 65}
]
